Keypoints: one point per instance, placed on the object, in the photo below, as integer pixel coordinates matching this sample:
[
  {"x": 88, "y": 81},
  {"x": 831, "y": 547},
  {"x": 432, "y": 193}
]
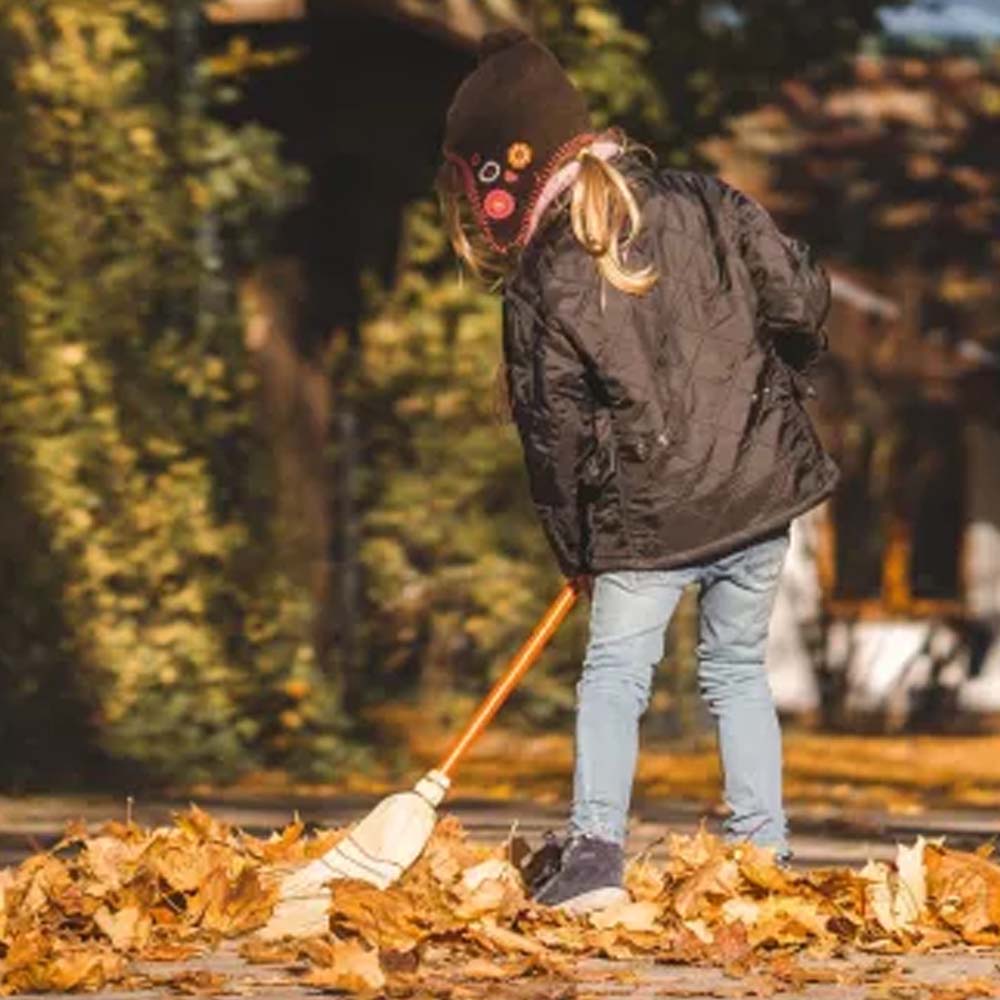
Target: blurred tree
[
  {"x": 712, "y": 59},
  {"x": 125, "y": 404},
  {"x": 456, "y": 566},
  {"x": 891, "y": 170}
]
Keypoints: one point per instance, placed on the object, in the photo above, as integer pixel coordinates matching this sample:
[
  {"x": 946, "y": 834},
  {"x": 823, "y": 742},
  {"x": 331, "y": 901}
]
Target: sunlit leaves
[{"x": 76, "y": 917}]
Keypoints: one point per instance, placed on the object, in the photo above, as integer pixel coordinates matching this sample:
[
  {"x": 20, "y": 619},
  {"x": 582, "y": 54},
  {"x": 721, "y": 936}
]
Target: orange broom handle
[{"x": 519, "y": 666}]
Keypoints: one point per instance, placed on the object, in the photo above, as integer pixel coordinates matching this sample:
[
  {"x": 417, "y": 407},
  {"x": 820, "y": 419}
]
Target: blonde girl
[{"x": 664, "y": 435}]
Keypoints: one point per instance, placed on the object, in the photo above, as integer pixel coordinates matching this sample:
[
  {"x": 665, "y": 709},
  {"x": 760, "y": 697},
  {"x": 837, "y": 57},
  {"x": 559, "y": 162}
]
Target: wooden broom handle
[{"x": 519, "y": 666}]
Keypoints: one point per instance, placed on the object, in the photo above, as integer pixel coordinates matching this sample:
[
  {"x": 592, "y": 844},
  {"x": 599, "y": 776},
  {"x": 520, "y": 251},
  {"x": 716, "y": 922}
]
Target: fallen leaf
[
  {"x": 37, "y": 963},
  {"x": 485, "y": 969},
  {"x": 505, "y": 940},
  {"x": 489, "y": 870},
  {"x": 196, "y": 982},
  {"x": 127, "y": 929},
  {"x": 745, "y": 911},
  {"x": 385, "y": 919},
  {"x": 911, "y": 888},
  {"x": 965, "y": 890},
  {"x": 629, "y": 916},
  {"x": 715, "y": 880},
  {"x": 700, "y": 930},
  {"x": 352, "y": 969}
]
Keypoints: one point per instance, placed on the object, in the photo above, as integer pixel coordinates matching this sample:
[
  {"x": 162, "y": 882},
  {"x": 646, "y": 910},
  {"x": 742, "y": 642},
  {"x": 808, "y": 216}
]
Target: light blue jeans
[{"x": 629, "y": 615}]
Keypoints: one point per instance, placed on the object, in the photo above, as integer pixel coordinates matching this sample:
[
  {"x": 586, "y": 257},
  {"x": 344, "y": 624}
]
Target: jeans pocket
[{"x": 764, "y": 559}]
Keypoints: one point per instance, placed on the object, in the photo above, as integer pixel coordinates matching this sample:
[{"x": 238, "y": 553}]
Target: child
[{"x": 648, "y": 316}]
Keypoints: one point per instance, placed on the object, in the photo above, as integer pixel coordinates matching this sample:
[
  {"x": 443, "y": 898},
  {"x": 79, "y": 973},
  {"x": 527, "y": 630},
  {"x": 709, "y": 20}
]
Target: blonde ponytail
[{"x": 606, "y": 220}]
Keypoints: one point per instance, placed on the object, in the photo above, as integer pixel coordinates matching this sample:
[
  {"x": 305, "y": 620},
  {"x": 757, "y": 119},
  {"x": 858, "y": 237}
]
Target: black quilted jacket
[{"x": 665, "y": 429}]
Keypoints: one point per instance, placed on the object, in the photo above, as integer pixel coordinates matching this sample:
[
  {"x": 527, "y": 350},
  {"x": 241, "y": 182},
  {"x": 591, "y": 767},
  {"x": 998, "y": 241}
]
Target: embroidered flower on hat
[
  {"x": 499, "y": 204},
  {"x": 520, "y": 155},
  {"x": 511, "y": 177},
  {"x": 489, "y": 172}
]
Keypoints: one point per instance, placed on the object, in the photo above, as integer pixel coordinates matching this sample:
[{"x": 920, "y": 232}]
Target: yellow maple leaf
[{"x": 352, "y": 969}]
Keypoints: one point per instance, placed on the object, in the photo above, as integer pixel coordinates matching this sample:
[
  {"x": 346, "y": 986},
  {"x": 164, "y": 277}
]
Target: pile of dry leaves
[{"x": 83, "y": 914}]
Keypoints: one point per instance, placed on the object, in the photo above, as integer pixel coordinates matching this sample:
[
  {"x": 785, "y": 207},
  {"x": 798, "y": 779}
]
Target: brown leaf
[
  {"x": 6, "y": 885},
  {"x": 785, "y": 920},
  {"x": 489, "y": 887},
  {"x": 733, "y": 949},
  {"x": 487, "y": 933},
  {"x": 486, "y": 968},
  {"x": 127, "y": 929},
  {"x": 644, "y": 880},
  {"x": 352, "y": 969},
  {"x": 182, "y": 865},
  {"x": 110, "y": 861},
  {"x": 258, "y": 951},
  {"x": 43, "y": 880},
  {"x": 629, "y": 916},
  {"x": 965, "y": 891},
  {"x": 757, "y": 866},
  {"x": 714, "y": 881},
  {"x": 38, "y": 963},
  {"x": 200, "y": 826},
  {"x": 385, "y": 919},
  {"x": 168, "y": 951},
  {"x": 400, "y": 962},
  {"x": 196, "y": 982},
  {"x": 232, "y": 907},
  {"x": 966, "y": 989}
]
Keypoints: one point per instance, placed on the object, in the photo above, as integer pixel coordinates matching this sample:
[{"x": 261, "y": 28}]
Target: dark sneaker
[
  {"x": 541, "y": 866},
  {"x": 590, "y": 877}
]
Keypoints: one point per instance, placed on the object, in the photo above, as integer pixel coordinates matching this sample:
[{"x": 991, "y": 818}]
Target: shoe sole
[{"x": 596, "y": 899}]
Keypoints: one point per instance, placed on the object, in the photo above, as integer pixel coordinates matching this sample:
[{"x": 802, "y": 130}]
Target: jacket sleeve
[
  {"x": 550, "y": 400},
  {"x": 793, "y": 289}
]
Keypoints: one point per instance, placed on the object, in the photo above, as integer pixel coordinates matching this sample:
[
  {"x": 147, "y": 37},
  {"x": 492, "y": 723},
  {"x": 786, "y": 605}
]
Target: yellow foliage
[{"x": 126, "y": 391}]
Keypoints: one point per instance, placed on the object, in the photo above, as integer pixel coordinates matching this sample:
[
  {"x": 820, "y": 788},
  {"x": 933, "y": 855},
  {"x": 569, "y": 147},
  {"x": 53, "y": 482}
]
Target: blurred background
[{"x": 258, "y": 516}]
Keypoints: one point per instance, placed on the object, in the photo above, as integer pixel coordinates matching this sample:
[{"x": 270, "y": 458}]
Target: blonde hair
[{"x": 604, "y": 215}]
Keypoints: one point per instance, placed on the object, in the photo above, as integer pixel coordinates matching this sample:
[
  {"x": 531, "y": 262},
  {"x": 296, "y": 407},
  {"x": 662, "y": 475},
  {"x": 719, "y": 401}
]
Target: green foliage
[
  {"x": 606, "y": 61},
  {"x": 456, "y": 565},
  {"x": 124, "y": 401}
]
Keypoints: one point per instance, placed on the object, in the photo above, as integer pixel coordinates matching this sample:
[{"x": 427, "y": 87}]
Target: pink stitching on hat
[{"x": 564, "y": 152}]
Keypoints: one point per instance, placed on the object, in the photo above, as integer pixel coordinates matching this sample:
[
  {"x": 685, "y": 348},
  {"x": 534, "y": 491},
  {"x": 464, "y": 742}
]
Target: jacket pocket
[{"x": 642, "y": 468}]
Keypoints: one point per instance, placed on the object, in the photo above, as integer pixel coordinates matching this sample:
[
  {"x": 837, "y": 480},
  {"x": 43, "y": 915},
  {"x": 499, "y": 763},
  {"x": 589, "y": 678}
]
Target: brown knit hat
[{"x": 513, "y": 122}]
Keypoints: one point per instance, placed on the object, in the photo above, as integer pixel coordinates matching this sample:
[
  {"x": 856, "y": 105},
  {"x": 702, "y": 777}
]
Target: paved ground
[
  {"x": 832, "y": 838},
  {"x": 912, "y": 978},
  {"x": 28, "y": 824}
]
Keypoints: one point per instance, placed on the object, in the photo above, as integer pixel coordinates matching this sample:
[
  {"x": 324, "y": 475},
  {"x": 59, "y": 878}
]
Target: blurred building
[{"x": 891, "y": 606}]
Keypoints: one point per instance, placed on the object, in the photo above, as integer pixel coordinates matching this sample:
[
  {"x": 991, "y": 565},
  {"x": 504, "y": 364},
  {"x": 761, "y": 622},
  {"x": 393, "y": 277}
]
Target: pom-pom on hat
[{"x": 512, "y": 123}]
